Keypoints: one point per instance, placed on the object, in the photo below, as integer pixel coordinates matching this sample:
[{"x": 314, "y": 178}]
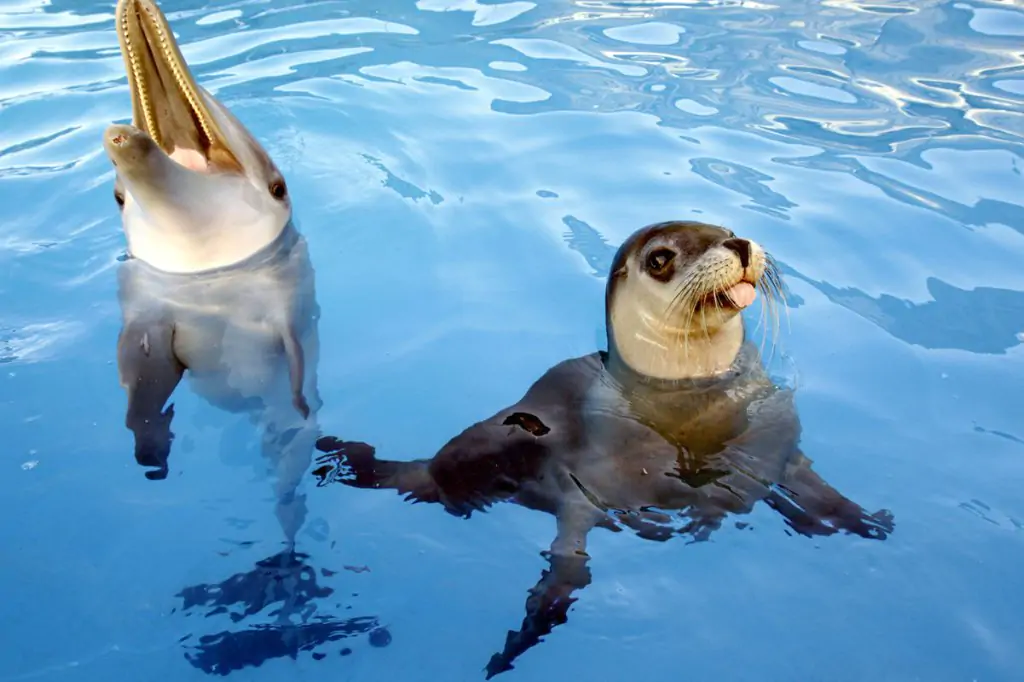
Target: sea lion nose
[{"x": 742, "y": 249}]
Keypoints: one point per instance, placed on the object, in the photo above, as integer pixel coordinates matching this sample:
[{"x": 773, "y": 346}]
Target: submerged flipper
[
  {"x": 149, "y": 372},
  {"x": 364, "y": 470},
  {"x": 813, "y": 507},
  {"x": 547, "y": 606},
  {"x": 548, "y": 602},
  {"x": 483, "y": 465}
]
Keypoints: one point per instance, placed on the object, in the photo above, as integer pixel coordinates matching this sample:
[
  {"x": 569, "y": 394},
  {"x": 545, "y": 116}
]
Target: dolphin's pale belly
[
  {"x": 237, "y": 364},
  {"x": 239, "y": 333}
]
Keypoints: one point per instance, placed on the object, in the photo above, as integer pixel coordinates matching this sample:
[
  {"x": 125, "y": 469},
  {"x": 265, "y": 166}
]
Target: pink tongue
[
  {"x": 189, "y": 158},
  {"x": 742, "y": 294}
]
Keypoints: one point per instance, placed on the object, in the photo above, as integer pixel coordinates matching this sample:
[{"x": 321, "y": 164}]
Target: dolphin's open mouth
[{"x": 167, "y": 103}]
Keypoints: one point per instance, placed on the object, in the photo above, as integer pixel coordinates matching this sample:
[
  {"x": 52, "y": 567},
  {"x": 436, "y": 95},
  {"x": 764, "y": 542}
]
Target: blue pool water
[{"x": 462, "y": 173}]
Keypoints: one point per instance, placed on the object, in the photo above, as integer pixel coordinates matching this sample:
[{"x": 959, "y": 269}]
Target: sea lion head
[
  {"x": 196, "y": 190},
  {"x": 674, "y": 297}
]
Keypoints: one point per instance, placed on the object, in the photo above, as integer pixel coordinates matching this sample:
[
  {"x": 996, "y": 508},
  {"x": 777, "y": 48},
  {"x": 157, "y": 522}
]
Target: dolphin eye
[
  {"x": 659, "y": 258},
  {"x": 278, "y": 190},
  {"x": 119, "y": 198}
]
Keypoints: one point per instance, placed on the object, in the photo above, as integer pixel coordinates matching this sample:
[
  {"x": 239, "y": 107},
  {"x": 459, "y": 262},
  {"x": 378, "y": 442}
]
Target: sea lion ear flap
[
  {"x": 620, "y": 261},
  {"x": 620, "y": 266},
  {"x": 618, "y": 274}
]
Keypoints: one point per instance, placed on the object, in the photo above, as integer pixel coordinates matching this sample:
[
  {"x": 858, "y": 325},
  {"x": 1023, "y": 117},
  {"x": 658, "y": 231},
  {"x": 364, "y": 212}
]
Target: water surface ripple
[{"x": 463, "y": 173}]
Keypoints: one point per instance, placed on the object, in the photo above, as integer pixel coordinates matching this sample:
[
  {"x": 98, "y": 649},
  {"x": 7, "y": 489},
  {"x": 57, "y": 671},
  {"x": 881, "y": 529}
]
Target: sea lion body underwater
[
  {"x": 671, "y": 430},
  {"x": 678, "y": 414},
  {"x": 218, "y": 280}
]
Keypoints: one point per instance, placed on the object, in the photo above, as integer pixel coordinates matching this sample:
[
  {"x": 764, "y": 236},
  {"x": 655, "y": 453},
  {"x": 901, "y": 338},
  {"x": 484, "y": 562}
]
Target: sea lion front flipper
[
  {"x": 355, "y": 464},
  {"x": 296, "y": 369},
  {"x": 149, "y": 372},
  {"x": 813, "y": 507},
  {"x": 485, "y": 464}
]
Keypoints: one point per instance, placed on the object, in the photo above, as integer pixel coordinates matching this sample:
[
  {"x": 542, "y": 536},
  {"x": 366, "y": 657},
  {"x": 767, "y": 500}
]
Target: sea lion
[
  {"x": 218, "y": 280},
  {"x": 672, "y": 429}
]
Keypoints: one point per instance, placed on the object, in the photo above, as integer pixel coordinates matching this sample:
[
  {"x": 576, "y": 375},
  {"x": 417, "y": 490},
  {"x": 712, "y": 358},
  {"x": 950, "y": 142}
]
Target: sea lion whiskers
[
  {"x": 684, "y": 297},
  {"x": 699, "y": 285},
  {"x": 719, "y": 283},
  {"x": 765, "y": 315},
  {"x": 773, "y": 292},
  {"x": 769, "y": 314},
  {"x": 696, "y": 286},
  {"x": 774, "y": 297}
]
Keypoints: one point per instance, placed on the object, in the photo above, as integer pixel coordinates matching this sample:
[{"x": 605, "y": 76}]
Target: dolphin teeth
[{"x": 145, "y": 38}]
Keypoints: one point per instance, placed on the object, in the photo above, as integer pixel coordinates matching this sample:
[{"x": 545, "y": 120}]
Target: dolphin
[
  {"x": 196, "y": 190},
  {"x": 218, "y": 281}
]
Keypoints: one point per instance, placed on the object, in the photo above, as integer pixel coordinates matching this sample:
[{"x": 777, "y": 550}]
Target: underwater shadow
[
  {"x": 982, "y": 320},
  {"x": 285, "y": 587}
]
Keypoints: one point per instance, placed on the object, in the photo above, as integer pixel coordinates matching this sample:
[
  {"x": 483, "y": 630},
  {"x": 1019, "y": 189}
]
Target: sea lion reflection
[{"x": 663, "y": 445}]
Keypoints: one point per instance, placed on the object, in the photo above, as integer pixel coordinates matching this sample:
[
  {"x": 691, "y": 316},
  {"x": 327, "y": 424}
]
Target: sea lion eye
[
  {"x": 659, "y": 258},
  {"x": 278, "y": 190},
  {"x": 119, "y": 198}
]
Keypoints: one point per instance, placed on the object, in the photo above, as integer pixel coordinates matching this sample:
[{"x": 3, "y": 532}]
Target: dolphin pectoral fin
[
  {"x": 149, "y": 372},
  {"x": 548, "y": 602},
  {"x": 813, "y": 507},
  {"x": 296, "y": 370}
]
